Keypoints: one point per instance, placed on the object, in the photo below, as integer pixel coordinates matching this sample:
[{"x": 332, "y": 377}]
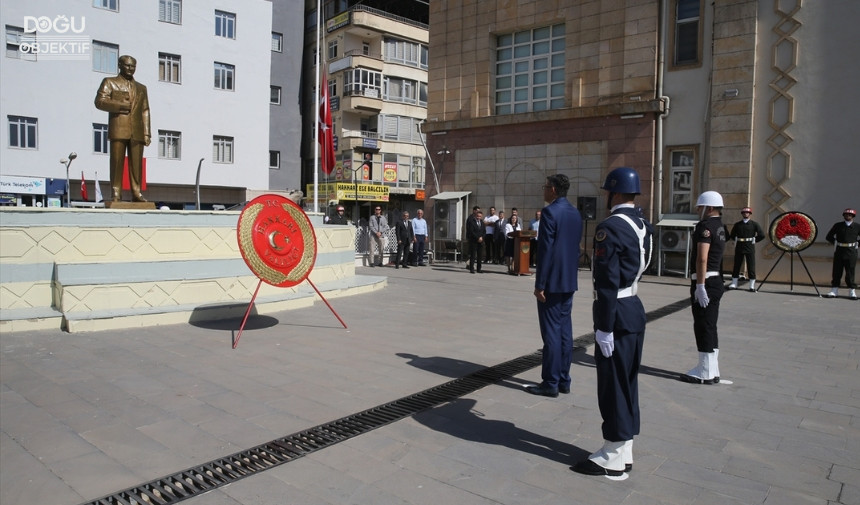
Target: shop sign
[
  {"x": 22, "y": 185},
  {"x": 389, "y": 172},
  {"x": 347, "y": 191}
]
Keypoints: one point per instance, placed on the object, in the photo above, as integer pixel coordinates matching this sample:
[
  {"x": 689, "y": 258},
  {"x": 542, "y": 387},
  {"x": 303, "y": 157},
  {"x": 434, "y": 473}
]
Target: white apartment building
[
  {"x": 377, "y": 76},
  {"x": 206, "y": 66}
]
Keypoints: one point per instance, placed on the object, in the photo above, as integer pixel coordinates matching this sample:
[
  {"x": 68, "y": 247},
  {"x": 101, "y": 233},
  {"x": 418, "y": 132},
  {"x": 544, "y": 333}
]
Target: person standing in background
[
  {"x": 746, "y": 233},
  {"x": 844, "y": 236},
  {"x": 419, "y": 227}
]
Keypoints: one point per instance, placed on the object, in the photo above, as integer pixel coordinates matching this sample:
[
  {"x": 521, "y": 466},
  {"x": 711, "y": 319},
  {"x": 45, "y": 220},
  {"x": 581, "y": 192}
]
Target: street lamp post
[{"x": 68, "y": 162}]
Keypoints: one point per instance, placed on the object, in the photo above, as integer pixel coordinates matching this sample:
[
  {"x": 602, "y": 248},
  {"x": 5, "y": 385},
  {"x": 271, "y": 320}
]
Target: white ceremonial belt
[
  {"x": 628, "y": 291},
  {"x": 708, "y": 275},
  {"x": 841, "y": 244},
  {"x": 751, "y": 239}
]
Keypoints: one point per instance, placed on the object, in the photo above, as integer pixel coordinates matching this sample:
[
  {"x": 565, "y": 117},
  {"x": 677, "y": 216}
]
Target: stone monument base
[{"x": 130, "y": 205}]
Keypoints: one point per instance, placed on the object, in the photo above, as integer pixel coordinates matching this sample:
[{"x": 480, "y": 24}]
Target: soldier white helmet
[{"x": 710, "y": 199}]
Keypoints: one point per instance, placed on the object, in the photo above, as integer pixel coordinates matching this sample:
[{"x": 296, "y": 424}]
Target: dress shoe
[
  {"x": 404, "y": 266},
  {"x": 397, "y": 267},
  {"x": 628, "y": 467},
  {"x": 564, "y": 389},
  {"x": 588, "y": 467},
  {"x": 543, "y": 391}
]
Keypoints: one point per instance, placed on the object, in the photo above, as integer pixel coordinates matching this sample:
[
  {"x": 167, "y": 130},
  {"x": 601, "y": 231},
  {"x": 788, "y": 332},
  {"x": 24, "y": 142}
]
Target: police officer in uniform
[
  {"x": 746, "y": 233},
  {"x": 706, "y": 288},
  {"x": 844, "y": 235},
  {"x": 622, "y": 251}
]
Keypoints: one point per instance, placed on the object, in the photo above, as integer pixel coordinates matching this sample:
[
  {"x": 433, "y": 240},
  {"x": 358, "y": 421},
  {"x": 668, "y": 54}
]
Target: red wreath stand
[
  {"x": 278, "y": 244},
  {"x": 792, "y": 232}
]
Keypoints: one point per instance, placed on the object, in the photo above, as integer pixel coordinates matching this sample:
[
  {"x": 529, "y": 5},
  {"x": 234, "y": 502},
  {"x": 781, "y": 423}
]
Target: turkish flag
[
  {"x": 325, "y": 135},
  {"x": 84, "y": 195}
]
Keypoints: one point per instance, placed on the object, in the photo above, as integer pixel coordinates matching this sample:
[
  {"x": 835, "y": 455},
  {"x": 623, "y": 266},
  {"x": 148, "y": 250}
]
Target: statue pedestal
[{"x": 130, "y": 205}]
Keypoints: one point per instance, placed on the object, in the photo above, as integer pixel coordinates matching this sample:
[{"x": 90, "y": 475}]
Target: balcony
[
  {"x": 367, "y": 101},
  {"x": 356, "y": 58}
]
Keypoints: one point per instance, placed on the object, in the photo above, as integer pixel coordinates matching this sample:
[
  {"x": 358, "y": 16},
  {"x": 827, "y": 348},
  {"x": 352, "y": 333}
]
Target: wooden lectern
[{"x": 522, "y": 246}]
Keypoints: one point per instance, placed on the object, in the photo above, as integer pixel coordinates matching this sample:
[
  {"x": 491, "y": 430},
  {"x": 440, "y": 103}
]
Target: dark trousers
[
  {"x": 489, "y": 248},
  {"x": 844, "y": 259},
  {"x": 618, "y": 387},
  {"x": 419, "y": 249},
  {"x": 739, "y": 259},
  {"x": 474, "y": 255},
  {"x": 705, "y": 319},
  {"x": 402, "y": 254},
  {"x": 556, "y": 331},
  {"x": 533, "y": 252}
]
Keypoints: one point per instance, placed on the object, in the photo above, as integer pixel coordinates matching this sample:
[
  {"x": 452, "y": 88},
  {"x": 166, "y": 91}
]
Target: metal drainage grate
[{"x": 220, "y": 472}]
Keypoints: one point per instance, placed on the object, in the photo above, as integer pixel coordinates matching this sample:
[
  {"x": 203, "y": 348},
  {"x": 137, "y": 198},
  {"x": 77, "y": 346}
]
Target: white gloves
[
  {"x": 702, "y": 295},
  {"x": 606, "y": 341}
]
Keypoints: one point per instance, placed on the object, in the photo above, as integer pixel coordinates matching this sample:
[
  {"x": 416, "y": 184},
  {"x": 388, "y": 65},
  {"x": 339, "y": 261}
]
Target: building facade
[
  {"x": 694, "y": 95},
  {"x": 375, "y": 65},
  {"x": 46, "y": 100}
]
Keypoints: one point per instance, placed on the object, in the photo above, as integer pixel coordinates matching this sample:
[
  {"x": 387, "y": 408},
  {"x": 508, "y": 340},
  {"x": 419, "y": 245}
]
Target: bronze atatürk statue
[{"x": 128, "y": 126}]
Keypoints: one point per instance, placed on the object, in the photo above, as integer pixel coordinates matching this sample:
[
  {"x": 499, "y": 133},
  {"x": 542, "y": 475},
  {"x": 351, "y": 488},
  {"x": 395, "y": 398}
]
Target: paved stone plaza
[{"x": 89, "y": 414}]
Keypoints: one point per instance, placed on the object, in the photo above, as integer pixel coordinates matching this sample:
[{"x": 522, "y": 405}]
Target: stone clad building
[{"x": 748, "y": 98}]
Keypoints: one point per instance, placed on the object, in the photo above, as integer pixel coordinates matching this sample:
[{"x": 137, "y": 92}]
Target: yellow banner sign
[{"x": 347, "y": 191}]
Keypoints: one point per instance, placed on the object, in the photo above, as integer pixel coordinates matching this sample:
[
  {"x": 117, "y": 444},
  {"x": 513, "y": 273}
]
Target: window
[
  {"x": 225, "y": 24},
  {"x": 332, "y": 49},
  {"x": 681, "y": 192},
  {"x": 17, "y": 43},
  {"x": 169, "y": 144},
  {"x": 530, "y": 70},
  {"x": 23, "y": 132},
  {"x": 105, "y": 57},
  {"x": 407, "y": 53},
  {"x": 224, "y": 76},
  {"x": 169, "y": 66},
  {"x": 687, "y": 47},
  {"x": 396, "y": 89},
  {"x": 275, "y": 95},
  {"x": 111, "y": 5},
  {"x": 332, "y": 90},
  {"x": 170, "y": 11},
  {"x": 277, "y": 42},
  {"x": 100, "y": 138},
  {"x": 360, "y": 81},
  {"x": 275, "y": 160},
  {"x": 399, "y": 128},
  {"x": 222, "y": 149}
]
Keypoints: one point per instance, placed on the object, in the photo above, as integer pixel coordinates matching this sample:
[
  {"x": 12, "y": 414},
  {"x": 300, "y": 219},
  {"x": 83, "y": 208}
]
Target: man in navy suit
[
  {"x": 622, "y": 251},
  {"x": 555, "y": 283},
  {"x": 405, "y": 237}
]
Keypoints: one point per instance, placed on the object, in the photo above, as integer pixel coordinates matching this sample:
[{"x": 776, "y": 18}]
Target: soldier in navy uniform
[
  {"x": 706, "y": 288},
  {"x": 746, "y": 233},
  {"x": 622, "y": 251},
  {"x": 844, "y": 235}
]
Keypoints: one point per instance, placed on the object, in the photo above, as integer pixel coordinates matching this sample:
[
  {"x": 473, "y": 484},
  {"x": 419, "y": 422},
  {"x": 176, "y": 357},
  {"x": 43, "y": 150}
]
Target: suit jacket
[
  {"x": 404, "y": 231},
  {"x": 474, "y": 229},
  {"x": 115, "y": 92},
  {"x": 558, "y": 247}
]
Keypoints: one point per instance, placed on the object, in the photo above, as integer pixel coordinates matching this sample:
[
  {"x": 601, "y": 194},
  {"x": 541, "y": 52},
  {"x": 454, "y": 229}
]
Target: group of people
[
  {"x": 490, "y": 238},
  {"x": 411, "y": 237}
]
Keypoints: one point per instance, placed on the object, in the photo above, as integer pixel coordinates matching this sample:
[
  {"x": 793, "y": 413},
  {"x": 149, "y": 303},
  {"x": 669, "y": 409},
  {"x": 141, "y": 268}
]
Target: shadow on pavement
[{"x": 460, "y": 419}]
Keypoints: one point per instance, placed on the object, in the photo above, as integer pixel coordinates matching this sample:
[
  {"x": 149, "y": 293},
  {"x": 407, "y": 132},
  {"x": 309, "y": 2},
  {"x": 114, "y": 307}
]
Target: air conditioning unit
[
  {"x": 448, "y": 219},
  {"x": 673, "y": 240}
]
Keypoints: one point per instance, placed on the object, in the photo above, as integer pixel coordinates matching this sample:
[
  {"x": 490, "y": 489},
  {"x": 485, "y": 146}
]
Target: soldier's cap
[
  {"x": 850, "y": 211},
  {"x": 746, "y": 209}
]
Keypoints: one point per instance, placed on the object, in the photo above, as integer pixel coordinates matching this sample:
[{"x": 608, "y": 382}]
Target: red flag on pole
[
  {"x": 84, "y": 188},
  {"x": 325, "y": 134}
]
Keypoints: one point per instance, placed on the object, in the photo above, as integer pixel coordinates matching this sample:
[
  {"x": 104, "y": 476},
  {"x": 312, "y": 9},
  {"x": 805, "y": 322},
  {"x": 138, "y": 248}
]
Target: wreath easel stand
[{"x": 792, "y": 244}]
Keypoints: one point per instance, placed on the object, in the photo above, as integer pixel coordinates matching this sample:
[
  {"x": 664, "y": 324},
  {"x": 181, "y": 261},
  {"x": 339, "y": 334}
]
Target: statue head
[{"x": 127, "y": 66}]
